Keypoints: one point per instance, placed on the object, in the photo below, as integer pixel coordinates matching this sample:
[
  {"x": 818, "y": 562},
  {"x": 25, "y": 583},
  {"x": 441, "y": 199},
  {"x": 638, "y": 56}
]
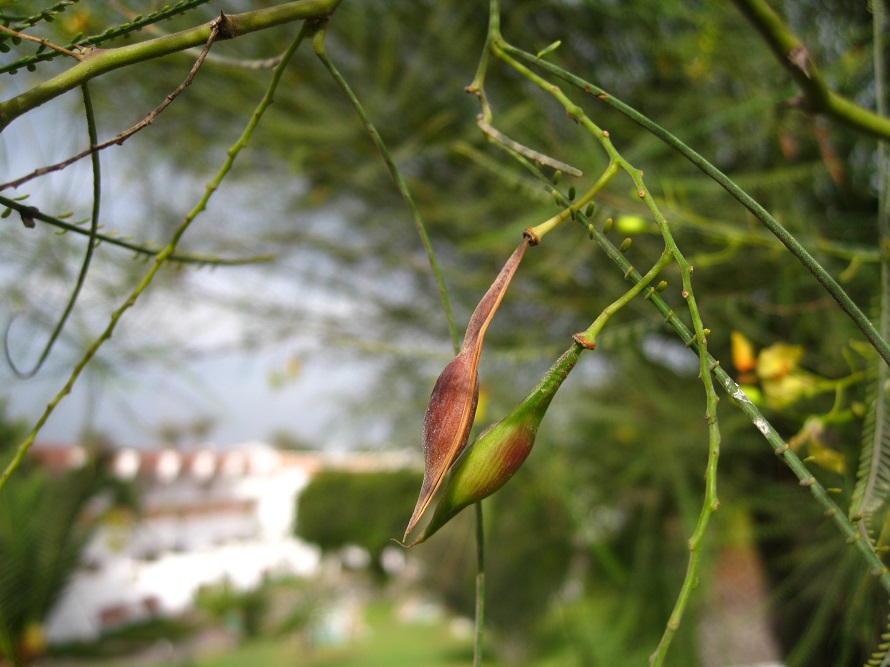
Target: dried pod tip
[{"x": 531, "y": 236}]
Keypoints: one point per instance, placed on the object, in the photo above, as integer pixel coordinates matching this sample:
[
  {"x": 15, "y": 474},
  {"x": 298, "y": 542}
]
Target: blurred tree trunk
[{"x": 734, "y": 628}]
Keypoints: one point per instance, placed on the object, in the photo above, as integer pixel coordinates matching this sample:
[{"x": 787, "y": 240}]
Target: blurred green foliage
[
  {"x": 44, "y": 527},
  {"x": 341, "y": 508}
]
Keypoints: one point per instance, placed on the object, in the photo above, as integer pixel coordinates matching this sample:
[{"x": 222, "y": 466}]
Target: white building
[{"x": 206, "y": 516}]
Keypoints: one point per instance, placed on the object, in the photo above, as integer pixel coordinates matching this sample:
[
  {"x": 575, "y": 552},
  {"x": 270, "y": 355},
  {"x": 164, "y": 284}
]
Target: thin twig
[
  {"x": 44, "y": 42},
  {"x": 161, "y": 257},
  {"x": 530, "y": 153},
  {"x": 88, "y": 255},
  {"x": 227, "y": 61},
  {"x": 794, "y": 56},
  {"x": 101, "y": 61},
  {"x": 788, "y": 240},
  {"x": 126, "y": 134},
  {"x": 736, "y": 395},
  {"x": 31, "y": 213},
  {"x": 318, "y": 45},
  {"x": 710, "y": 503},
  {"x": 480, "y": 586}
]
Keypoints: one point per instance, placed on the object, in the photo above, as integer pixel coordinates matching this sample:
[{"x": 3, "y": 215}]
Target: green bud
[
  {"x": 590, "y": 209},
  {"x": 607, "y": 226},
  {"x": 543, "y": 52},
  {"x": 625, "y": 244},
  {"x": 662, "y": 286},
  {"x": 501, "y": 449},
  {"x": 556, "y": 176},
  {"x": 571, "y": 193}
]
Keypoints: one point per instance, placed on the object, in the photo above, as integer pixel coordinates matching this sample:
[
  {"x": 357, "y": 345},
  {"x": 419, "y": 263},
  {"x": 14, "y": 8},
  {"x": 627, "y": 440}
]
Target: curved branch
[
  {"x": 794, "y": 56},
  {"x": 95, "y": 146},
  {"x": 88, "y": 255},
  {"x": 102, "y": 61},
  {"x": 865, "y": 325},
  {"x": 163, "y": 256}
]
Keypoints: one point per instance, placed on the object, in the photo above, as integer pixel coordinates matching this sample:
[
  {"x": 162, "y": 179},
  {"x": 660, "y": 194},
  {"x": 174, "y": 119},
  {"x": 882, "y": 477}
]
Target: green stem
[
  {"x": 672, "y": 253},
  {"x": 566, "y": 213},
  {"x": 741, "y": 401},
  {"x": 480, "y": 587},
  {"x": 809, "y": 262},
  {"x": 477, "y": 86},
  {"x": 588, "y": 337},
  {"x": 793, "y": 55},
  {"x": 88, "y": 255},
  {"x": 318, "y": 46},
  {"x": 164, "y": 255},
  {"x": 101, "y": 61}
]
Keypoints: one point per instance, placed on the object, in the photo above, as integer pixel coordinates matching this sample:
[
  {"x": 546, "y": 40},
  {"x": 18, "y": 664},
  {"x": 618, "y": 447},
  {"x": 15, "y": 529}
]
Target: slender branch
[
  {"x": 480, "y": 587},
  {"x": 737, "y": 396},
  {"x": 531, "y": 154},
  {"x": 588, "y": 337},
  {"x": 42, "y": 42},
  {"x": 101, "y": 61},
  {"x": 318, "y": 45},
  {"x": 794, "y": 56},
  {"x": 809, "y": 262},
  {"x": 672, "y": 252},
  {"x": 88, "y": 255},
  {"x": 163, "y": 256},
  {"x": 216, "y": 58},
  {"x": 31, "y": 213},
  {"x": 84, "y": 44},
  {"x": 477, "y": 86},
  {"x": 126, "y": 134}
]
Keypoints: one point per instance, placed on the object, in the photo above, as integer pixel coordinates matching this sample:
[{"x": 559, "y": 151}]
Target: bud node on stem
[{"x": 584, "y": 342}]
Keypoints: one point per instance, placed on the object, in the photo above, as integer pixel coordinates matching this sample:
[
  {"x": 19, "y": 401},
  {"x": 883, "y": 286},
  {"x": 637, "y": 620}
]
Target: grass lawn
[{"x": 387, "y": 642}]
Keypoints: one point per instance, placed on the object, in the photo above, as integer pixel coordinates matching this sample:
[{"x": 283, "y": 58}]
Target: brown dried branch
[
  {"x": 44, "y": 42},
  {"x": 123, "y": 136}
]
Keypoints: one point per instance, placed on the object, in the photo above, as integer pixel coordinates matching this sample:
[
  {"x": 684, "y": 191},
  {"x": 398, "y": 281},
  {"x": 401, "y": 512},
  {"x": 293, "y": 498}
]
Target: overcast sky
[{"x": 298, "y": 386}]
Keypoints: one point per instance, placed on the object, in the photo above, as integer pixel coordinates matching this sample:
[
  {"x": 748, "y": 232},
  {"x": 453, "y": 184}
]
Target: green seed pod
[
  {"x": 625, "y": 244},
  {"x": 590, "y": 209},
  {"x": 452, "y": 406},
  {"x": 501, "y": 449},
  {"x": 571, "y": 193},
  {"x": 556, "y": 176},
  {"x": 607, "y": 226}
]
